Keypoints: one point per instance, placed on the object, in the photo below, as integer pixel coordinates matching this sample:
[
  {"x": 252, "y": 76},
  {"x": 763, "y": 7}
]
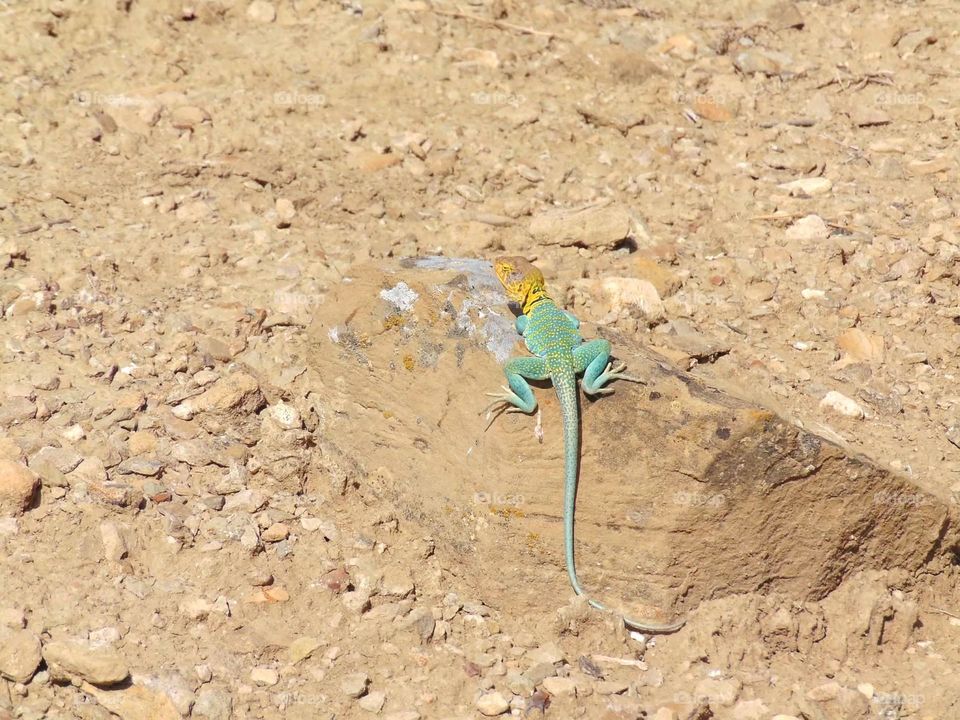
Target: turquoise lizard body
[{"x": 559, "y": 355}]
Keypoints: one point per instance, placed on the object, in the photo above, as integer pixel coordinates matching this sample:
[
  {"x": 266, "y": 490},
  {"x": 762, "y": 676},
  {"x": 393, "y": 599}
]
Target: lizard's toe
[{"x": 616, "y": 373}]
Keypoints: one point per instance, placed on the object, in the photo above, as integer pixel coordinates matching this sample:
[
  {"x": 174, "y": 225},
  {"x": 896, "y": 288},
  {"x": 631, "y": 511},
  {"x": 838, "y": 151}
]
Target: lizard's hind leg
[
  {"x": 593, "y": 360},
  {"x": 519, "y": 396}
]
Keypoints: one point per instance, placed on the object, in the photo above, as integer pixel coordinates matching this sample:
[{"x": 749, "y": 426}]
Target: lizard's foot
[
  {"x": 596, "y": 387},
  {"x": 612, "y": 373},
  {"x": 507, "y": 400}
]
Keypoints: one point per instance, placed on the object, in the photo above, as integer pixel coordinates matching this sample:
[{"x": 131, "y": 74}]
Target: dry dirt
[{"x": 242, "y": 469}]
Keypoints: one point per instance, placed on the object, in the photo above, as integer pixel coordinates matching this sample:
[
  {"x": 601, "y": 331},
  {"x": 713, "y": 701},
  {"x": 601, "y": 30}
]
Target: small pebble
[
  {"x": 492, "y": 704},
  {"x": 842, "y": 404},
  {"x": 355, "y": 684},
  {"x": 264, "y": 676}
]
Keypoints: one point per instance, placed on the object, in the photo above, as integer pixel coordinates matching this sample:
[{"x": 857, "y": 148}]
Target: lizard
[{"x": 559, "y": 354}]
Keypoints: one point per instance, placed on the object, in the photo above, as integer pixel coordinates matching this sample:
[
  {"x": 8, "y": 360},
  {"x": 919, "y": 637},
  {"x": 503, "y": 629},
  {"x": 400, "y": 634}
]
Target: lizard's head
[{"x": 521, "y": 279}]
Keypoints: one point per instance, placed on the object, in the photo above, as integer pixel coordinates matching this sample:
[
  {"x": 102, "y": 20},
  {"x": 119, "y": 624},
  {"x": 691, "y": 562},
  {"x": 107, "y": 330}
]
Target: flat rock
[
  {"x": 18, "y": 487},
  {"x": 238, "y": 393},
  {"x": 760, "y": 60},
  {"x": 807, "y": 187},
  {"x": 196, "y": 453},
  {"x": 693, "y": 345},
  {"x": 275, "y": 533},
  {"x": 560, "y": 686},
  {"x": 616, "y": 298},
  {"x": 784, "y": 15},
  {"x": 97, "y": 666},
  {"x": 808, "y": 228},
  {"x": 548, "y": 653},
  {"x": 861, "y": 346},
  {"x": 14, "y": 618},
  {"x": 140, "y": 466},
  {"x": 213, "y": 703},
  {"x": 492, "y": 704},
  {"x": 594, "y": 227},
  {"x": 355, "y": 684},
  {"x": 823, "y": 693},
  {"x": 302, "y": 648},
  {"x": 264, "y": 676},
  {"x": 284, "y": 415},
  {"x": 769, "y": 474},
  {"x": 261, "y": 11},
  {"x": 373, "y": 702},
  {"x": 215, "y": 348},
  {"x": 843, "y": 405},
  {"x": 611, "y": 687},
  {"x": 750, "y": 710},
  {"x": 142, "y": 443},
  {"x": 135, "y": 702},
  {"x": 15, "y": 410},
  {"x": 63, "y": 459},
  {"x": 194, "y": 211},
  {"x": 913, "y": 41},
  {"x": 114, "y": 546},
  {"x": 90, "y": 470},
  {"x": 397, "y": 582},
  {"x": 187, "y": 117},
  {"x": 868, "y": 116},
  {"x": 173, "y": 685},
  {"x": 9, "y": 450},
  {"x": 19, "y": 654},
  {"x": 723, "y": 692}
]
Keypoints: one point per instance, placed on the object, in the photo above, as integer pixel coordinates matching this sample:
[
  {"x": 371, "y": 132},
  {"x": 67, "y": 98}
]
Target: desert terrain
[{"x": 247, "y": 318}]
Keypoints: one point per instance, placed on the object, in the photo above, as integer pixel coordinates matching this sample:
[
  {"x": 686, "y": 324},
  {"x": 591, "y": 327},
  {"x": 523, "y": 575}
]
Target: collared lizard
[{"x": 559, "y": 355}]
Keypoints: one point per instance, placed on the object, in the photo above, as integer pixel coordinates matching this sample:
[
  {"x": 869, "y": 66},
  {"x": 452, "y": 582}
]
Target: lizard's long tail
[{"x": 566, "y": 387}]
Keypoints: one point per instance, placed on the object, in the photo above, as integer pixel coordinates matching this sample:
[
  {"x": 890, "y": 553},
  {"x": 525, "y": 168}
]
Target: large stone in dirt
[
  {"x": 19, "y": 654},
  {"x": 18, "y": 487},
  {"x": 135, "y": 702},
  {"x": 686, "y": 492},
  {"x": 238, "y": 394},
  {"x": 99, "y": 666},
  {"x": 598, "y": 226}
]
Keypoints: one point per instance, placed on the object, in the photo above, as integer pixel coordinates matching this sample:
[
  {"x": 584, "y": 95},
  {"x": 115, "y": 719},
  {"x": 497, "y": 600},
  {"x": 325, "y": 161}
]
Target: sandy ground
[{"x": 190, "y": 193}]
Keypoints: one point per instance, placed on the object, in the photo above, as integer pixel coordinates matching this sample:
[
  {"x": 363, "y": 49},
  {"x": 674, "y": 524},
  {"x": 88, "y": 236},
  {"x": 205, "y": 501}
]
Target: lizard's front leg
[
  {"x": 593, "y": 360},
  {"x": 519, "y": 395}
]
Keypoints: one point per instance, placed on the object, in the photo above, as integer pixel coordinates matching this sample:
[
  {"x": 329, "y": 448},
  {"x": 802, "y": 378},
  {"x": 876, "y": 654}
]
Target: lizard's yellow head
[{"x": 521, "y": 279}]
